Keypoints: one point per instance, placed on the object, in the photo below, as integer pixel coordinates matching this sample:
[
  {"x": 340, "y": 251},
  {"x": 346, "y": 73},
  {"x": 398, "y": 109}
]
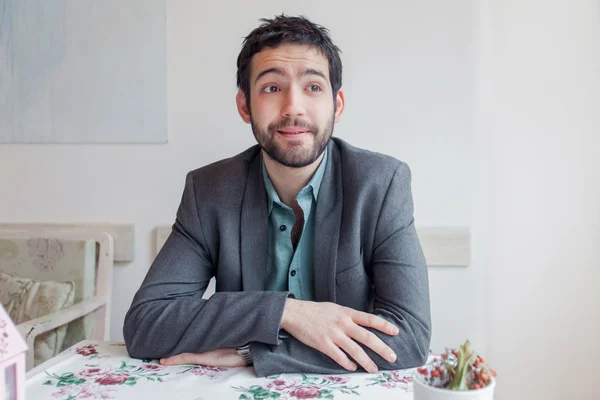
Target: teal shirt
[{"x": 289, "y": 270}]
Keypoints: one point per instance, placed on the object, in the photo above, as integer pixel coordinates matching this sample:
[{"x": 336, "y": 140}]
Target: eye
[
  {"x": 314, "y": 88},
  {"x": 271, "y": 89}
]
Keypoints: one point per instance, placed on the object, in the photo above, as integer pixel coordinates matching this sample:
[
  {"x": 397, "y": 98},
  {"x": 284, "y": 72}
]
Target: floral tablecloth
[{"x": 103, "y": 370}]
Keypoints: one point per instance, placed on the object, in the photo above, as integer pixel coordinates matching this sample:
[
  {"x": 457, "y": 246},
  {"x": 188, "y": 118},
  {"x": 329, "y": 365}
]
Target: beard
[{"x": 295, "y": 156}]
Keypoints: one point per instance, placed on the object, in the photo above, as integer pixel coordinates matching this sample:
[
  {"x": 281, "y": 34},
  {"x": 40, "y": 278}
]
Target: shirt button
[
  {"x": 293, "y": 273},
  {"x": 282, "y": 228}
]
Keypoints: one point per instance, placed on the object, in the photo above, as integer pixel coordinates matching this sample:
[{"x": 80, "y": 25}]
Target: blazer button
[
  {"x": 293, "y": 273},
  {"x": 282, "y": 228}
]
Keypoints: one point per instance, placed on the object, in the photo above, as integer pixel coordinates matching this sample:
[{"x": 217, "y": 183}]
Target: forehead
[{"x": 292, "y": 58}]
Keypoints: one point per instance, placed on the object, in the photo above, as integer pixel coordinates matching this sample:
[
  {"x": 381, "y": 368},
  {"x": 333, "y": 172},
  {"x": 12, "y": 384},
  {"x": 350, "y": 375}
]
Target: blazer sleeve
[
  {"x": 168, "y": 315},
  {"x": 401, "y": 295}
]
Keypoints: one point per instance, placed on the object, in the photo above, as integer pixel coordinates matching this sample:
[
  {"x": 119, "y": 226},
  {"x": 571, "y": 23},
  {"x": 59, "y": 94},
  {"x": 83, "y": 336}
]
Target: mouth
[{"x": 292, "y": 131}]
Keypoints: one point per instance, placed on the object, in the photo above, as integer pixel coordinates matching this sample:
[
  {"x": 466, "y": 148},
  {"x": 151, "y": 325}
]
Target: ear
[
  {"x": 242, "y": 108},
  {"x": 339, "y": 105}
]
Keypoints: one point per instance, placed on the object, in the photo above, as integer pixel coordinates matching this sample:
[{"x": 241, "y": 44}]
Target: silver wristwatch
[{"x": 245, "y": 353}]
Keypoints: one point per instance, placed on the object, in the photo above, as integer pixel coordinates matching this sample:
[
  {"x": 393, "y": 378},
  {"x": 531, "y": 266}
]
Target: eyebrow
[{"x": 279, "y": 71}]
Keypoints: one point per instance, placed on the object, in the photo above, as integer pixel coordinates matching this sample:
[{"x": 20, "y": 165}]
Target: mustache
[{"x": 292, "y": 122}]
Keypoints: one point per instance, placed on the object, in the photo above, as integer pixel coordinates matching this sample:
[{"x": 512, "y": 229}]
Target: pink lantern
[{"x": 12, "y": 359}]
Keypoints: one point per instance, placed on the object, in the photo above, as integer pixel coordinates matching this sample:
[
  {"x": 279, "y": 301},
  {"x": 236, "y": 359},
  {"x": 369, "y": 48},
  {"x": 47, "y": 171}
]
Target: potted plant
[{"x": 456, "y": 375}]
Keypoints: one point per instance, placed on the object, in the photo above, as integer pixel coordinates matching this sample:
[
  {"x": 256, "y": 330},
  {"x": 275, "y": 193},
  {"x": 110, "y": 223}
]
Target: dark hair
[{"x": 284, "y": 29}]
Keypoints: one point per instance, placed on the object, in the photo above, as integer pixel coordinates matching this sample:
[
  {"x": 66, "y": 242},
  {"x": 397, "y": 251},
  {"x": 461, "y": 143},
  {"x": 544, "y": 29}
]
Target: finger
[
  {"x": 373, "y": 342},
  {"x": 357, "y": 353},
  {"x": 338, "y": 356},
  {"x": 373, "y": 321}
]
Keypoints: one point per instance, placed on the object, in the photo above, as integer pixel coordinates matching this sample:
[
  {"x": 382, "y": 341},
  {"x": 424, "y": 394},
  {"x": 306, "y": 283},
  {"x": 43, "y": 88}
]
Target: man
[{"x": 312, "y": 241}]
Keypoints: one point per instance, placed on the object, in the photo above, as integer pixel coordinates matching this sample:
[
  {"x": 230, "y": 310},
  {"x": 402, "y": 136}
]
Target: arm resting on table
[
  {"x": 168, "y": 315},
  {"x": 401, "y": 295}
]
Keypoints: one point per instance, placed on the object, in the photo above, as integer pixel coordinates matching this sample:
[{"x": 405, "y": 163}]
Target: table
[{"x": 103, "y": 370}]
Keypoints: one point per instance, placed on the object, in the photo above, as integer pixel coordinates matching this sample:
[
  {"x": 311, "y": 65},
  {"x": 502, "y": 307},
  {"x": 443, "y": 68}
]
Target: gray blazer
[{"x": 367, "y": 256}]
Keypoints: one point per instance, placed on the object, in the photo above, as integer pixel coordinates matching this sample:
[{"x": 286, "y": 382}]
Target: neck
[{"x": 289, "y": 181}]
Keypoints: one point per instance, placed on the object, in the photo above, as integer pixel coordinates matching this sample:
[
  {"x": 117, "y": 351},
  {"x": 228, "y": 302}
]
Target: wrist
[{"x": 287, "y": 311}]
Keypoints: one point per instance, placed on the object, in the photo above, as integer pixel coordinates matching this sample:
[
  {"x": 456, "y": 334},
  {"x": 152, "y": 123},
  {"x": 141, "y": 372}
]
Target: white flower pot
[{"x": 422, "y": 391}]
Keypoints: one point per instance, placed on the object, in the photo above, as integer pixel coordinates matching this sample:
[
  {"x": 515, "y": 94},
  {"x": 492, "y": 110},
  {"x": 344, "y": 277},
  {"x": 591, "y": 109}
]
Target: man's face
[{"x": 291, "y": 103}]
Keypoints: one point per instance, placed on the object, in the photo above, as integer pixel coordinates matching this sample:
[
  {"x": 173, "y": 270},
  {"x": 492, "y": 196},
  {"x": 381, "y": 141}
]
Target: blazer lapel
[
  {"x": 328, "y": 220},
  {"x": 254, "y": 229}
]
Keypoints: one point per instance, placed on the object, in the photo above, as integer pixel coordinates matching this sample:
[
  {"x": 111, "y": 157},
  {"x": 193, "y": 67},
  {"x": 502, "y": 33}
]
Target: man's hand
[
  {"x": 214, "y": 358},
  {"x": 331, "y": 328}
]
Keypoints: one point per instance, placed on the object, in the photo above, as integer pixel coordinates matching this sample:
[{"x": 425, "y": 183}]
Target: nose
[{"x": 293, "y": 103}]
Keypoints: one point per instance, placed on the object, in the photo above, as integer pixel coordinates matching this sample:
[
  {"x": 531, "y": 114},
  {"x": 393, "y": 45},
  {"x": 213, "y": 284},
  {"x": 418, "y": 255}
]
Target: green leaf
[
  {"x": 69, "y": 379},
  {"x": 51, "y": 375},
  {"x": 449, "y": 367},
  {"x": 265, "y": 394},
  {"x": 466, "y": 357},
  {"x": 47, "y": 383},
  {"x": 243, "y": 397},
  {"x": 259, "y": 393}
]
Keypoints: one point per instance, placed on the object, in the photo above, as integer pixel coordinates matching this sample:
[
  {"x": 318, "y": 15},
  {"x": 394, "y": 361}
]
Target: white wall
[{"x": 539, "y": 129}]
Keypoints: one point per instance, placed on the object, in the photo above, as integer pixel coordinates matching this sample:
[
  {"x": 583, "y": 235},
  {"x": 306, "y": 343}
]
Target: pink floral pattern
[
  {"x": 337, "y": 379},
  {"x": 94, "y": 371},
  {"x": 309, "y": 387},
  {"x": 306, "y": 392},
  {"x": 45, "y": 252},
  {"x": 152, "y": 367},
  {"x": 100, "y": 371},
  {"x": 87, "y": 351},
  {"x": 280, "y": 385},
  {"x": 3, "y": 338},
  {"x": 87, "y": 390},
  {"x": 392, "y": 380},
  {"x": 103, "y": 381},
  {"x": 94, "y": 382},
  {"x": 201, "y": 370}
]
